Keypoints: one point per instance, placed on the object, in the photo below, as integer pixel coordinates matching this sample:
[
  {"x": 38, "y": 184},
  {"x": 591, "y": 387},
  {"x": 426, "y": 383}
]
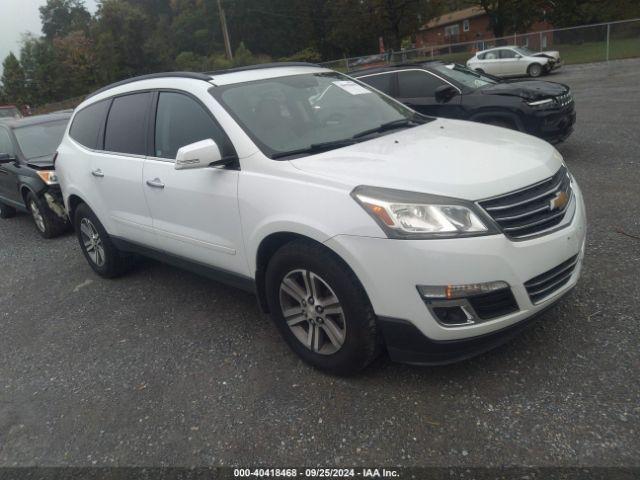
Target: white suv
[{"x": 359, "y": 223}]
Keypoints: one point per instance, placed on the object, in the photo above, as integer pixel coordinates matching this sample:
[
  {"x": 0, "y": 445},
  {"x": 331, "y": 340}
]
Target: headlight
[
  {"x": 48, "y": 176},
  {"x": 546, "y": 103},
  {"x": 416, "y": 215}
]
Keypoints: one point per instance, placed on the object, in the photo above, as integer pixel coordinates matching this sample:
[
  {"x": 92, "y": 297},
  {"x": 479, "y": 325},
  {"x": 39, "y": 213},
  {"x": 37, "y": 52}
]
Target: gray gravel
[{"x": 165, "y": 368}]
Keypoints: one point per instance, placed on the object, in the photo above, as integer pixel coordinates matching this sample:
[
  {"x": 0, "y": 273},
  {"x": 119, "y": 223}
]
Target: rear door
[
  {"x": 195, "y": 212},
  {"x": 417, "y": 88},
  {"x": 116, "y": 170}
]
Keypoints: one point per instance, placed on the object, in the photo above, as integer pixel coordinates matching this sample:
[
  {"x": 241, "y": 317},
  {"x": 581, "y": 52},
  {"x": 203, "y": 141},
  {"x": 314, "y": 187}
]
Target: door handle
[
  {"x": 97, "y": 173},
  {"x": 155, "y": 183}
]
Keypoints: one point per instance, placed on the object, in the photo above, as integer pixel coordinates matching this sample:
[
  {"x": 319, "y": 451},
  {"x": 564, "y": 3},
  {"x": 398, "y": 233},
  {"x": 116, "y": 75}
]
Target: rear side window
[
  {"x": 416, "y": 84},
  {"x": 383, "y": 82},
  {"x": 6, "y": 145},
  {"x": 88, "y": 124},
  {"x": 127, "y": 124},
  {"x": 180, "y": 121}
]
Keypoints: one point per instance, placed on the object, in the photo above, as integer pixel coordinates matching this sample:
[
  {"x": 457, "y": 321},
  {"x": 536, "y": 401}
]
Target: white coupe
[{"x": 514, "y": 61}]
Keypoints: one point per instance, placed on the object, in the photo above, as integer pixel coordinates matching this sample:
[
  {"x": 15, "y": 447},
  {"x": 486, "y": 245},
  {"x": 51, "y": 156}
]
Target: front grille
[
  {"x": 548, "y": 282},
  {"x": 532, "y": 210},
  {"x": 494, "y": 304},
  {"x": 564, "y": 100}
]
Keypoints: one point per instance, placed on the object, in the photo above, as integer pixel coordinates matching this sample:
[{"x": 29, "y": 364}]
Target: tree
[
  {"x": 61, "y": 17},
  {"x": 569, "y": 13},
  {"x": 13, "y": 80},
  {"x": 509, "y": 16}
]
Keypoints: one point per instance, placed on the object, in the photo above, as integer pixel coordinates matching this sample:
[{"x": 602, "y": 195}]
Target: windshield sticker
[{"x": 351, "y": 87}]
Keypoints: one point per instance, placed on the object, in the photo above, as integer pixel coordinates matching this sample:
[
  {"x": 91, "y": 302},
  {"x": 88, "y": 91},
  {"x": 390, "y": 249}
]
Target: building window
[
  {"x": 544, "y": 41},
  {"x": 465, "y": 25},
  {"x": 452, "y": 30}
]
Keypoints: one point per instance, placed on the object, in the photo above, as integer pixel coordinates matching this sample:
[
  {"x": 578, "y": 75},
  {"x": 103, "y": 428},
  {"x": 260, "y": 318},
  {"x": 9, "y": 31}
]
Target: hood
[
  {"x": 527, "y": 89},
  {"x": 465, "y": 160},
  {"x": 553, "y": 54},
  {"x": 41, "y": 163}
]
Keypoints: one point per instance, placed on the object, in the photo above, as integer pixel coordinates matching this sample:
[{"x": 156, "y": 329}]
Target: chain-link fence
[{"x": 585, "y": 44}]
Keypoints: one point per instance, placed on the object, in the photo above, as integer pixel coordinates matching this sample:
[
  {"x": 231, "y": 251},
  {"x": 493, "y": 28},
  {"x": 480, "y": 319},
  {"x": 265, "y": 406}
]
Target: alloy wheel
[
  {"x": 312, "y": 311},
  {"x": 92, "y": 242},
  {"x": 37, "y": 216}
]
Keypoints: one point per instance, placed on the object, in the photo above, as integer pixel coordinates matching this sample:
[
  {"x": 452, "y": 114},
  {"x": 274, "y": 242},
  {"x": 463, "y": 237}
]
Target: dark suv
[
  {"x": 28, "y": 181},
  {"x": 435, "y": 88}
]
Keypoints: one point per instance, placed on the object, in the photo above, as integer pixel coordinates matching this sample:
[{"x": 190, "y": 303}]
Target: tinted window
[
  {"x": 414, "y": 84},
  {"x": 88, "y": 123},
  {"x": 40, "y": 140},
  {"x": 180, "y": 121},
  {"x": 507, "y": 54},
  {"x": 490, "y": 55},
  {"x": 384, "y": 83},
  {"x": 6, "y": 146},
  {"x": 127, "y": 124}
]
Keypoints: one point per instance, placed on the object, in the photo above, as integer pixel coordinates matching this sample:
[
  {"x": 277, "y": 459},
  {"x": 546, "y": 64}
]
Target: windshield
[
  {"x": 9, "y": 112},
  {"x": 463, "y": 75},
  {"x": 40, "y": 140},
  {"x": 524, "y": 51},
  {"x": 306, "y": 113}
]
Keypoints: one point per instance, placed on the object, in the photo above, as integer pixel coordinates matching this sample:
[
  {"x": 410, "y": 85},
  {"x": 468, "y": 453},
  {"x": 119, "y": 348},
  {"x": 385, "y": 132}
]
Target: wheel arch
[
  {"x": 485, "y": 115},
  {"x": 267, "y": 248},
  {"x": 73, "y": 202}
]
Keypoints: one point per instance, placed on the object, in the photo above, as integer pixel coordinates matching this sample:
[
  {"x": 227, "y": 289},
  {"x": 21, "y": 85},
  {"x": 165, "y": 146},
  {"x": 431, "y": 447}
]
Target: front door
[
  {"x": 417, "y": 88},
  {"x": 195, "y": 212},
  {"x": 8, "y": 177}
]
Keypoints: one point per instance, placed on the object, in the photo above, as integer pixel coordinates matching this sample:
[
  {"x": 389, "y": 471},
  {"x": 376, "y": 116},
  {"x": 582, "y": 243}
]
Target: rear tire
[
  {"x": 96, "y": 245},
  {"x": 48, "y": 224},
  {"x": 321, "y": 309},
  {"x": 6, "y": 211},
  {"x": 534, "y": 70}
]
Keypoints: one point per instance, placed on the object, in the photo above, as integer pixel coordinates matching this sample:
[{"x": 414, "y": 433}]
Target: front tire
[
  {"x": 6, "y": 211},
  {"x": 534, "y": 70},
  {"x": 48, "y": 224},
  {"x": 321, "y": 309},
  {"x": 96, "y": 245}
]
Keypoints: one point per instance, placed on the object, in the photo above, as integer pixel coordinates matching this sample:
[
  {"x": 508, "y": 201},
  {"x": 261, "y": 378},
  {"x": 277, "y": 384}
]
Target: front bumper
[
  {"x": 554, "y": 126},
  {"x": 390, "y": 270}
]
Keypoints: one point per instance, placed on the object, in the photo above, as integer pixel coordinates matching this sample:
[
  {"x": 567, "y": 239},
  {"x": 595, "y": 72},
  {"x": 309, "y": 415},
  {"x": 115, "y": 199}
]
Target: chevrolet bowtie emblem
[{"x": 559, "y": 201}]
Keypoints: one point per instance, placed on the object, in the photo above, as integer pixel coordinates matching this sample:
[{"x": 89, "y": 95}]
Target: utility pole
[{"x": 225, "y": 32}]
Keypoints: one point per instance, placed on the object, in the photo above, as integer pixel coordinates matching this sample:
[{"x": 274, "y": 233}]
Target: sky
[{"x": 22, "y": 16}]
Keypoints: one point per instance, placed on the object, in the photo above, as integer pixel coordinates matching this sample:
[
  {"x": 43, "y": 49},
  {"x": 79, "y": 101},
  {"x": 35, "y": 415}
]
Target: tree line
[{"x": 78, "y": 52}]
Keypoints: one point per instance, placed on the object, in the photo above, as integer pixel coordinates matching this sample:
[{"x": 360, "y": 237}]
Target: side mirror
[
  {"x": 202, "y": 154},
  {"x": 444, "y": 93},
  {"x": 6, "y": 158},
  {"x": 518, "y": 57}
]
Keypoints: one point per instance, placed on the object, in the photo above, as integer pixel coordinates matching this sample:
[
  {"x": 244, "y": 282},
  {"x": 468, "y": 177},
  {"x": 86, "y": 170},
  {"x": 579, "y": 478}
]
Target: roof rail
[
  {"x": 263, "y": 65},
  {"x": 194, "y": 75}
]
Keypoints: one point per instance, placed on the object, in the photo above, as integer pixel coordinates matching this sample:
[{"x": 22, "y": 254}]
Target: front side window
[
  {"x": 40, "y": 140},
  {"x": 88, "y": 124},
  {"x": 507, "y": 53},
  {"x": 383, "y": 82},
  {"x": 288, "y": 114},
  {"x": 524, "y": 51},
  {"x": 126, "y": 128},
  {"x": 417, "y": 84},
  {"x": 492, "y": 55},
  {"x": 180, "y": 121}
]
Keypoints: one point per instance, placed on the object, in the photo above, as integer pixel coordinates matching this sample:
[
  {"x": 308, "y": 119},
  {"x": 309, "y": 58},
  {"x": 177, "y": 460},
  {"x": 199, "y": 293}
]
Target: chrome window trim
[{"x": 412, "y": 70}]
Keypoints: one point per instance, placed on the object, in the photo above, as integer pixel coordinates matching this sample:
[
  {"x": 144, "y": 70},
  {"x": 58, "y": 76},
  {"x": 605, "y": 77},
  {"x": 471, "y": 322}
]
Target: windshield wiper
[
  {"x": 316, "y": 148},
  {"x": 403, "y": 122}
]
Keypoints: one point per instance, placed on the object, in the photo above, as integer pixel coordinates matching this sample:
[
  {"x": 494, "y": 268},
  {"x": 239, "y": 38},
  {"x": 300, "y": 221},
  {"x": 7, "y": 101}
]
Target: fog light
[
  {"x": 448, "y": 292},
  {"x": 456, "y": 315}
]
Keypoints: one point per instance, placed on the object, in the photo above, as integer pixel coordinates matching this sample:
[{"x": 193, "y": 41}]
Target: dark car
[
  {"x": 9, "y": 111},
  {"x": 540, "y": 108},
  {"x": 28, "y": 180}
]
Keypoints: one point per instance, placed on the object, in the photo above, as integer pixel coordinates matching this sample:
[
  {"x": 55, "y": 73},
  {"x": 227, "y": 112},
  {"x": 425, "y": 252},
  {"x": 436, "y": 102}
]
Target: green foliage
[
  {"x": 13, "y": 80},
  {"x": 61, "y": 17},
  {"x": 307, "y": 55}
]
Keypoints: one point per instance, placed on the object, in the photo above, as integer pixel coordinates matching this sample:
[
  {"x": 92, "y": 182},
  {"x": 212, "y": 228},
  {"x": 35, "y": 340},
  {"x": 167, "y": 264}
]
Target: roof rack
[
  {"x": 260, "y": 66},
  {"x": 394, "y": 65},
  {"x": 194, "y": 75}
]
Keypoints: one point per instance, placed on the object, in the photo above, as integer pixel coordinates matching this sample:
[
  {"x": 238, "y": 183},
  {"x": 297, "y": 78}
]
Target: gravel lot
[{"x": 162, "y": 367}]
